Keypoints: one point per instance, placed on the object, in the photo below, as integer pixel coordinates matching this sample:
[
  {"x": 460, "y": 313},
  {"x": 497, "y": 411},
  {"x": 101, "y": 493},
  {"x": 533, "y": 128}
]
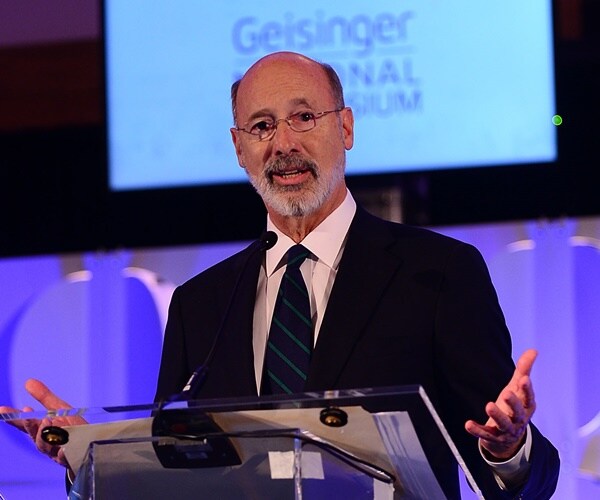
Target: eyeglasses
[{"x": 264, "y": 128}]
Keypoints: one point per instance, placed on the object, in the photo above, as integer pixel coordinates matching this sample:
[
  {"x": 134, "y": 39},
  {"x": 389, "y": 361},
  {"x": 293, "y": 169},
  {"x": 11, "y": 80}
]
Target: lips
[
  {"x": 290, "y": 169},
  {"x": 290, "y": 178},
  {"x": 290, "y": 173}
]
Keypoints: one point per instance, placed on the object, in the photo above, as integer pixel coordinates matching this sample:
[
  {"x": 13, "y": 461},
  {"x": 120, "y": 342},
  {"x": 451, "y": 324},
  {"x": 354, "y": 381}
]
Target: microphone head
[{"x": 268, "y": 240}]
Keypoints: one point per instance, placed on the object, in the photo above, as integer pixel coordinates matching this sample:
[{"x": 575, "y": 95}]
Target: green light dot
[{"x": 557, "y": 120}]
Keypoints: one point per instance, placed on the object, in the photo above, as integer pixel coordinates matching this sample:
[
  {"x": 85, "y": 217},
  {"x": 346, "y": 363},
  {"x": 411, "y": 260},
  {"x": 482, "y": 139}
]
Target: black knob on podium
[
  {"x": 55, "y": 436},
  {"x": 333, "y": 417}
]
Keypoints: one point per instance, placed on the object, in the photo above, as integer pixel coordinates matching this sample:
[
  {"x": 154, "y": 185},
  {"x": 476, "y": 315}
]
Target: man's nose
[{"x": 284, "y": 140}]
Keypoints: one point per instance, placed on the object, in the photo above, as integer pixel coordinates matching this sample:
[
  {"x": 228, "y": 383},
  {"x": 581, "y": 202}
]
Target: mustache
[{"x": 283, "y": 164}]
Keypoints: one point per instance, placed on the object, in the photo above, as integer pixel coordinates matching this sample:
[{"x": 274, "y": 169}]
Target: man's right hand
[{"x": 34, "y": 427}]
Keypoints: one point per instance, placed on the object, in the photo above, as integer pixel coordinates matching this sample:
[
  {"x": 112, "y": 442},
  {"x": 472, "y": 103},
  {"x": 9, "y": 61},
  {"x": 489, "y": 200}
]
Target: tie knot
[{"x": 296, "y": 256}]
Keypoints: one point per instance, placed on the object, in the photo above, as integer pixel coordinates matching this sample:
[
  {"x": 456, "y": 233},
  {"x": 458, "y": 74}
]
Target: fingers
[
  {"x": 483, "y": 432},
  {"x": 15, "y": 423},
  {"x": 515, "y": 405},
  {"x": 56, "y": 453},
  {"x": 509, "y": 416},
  {"x": 524, "y": 365},
  {"x": 33, "y": 427},
  {"x": 503, "y": 433},
  {"x": 498, "y": 419},
  {"x": 520, "y": 415},
  {"x": 526, "y": 394},
  {"x": 19, "y": 423},
  {"x": 499, "y": 444},
  {"x": 44, "y": 395},
  {"x": 40, "y": 391},
  {"x": 520, "y": 383},
  {"x": 523, "y": 391},
  {"x": 510, "y": 421},
  {"x": 61, "y": 459}
]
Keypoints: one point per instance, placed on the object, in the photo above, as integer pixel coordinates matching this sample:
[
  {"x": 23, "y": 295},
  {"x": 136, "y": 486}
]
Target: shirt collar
[{"x": 324, "y": 241}]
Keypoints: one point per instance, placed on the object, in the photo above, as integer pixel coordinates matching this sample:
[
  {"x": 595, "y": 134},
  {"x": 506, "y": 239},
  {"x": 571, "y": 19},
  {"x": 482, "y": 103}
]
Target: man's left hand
[{"x": 504, "y": 432}]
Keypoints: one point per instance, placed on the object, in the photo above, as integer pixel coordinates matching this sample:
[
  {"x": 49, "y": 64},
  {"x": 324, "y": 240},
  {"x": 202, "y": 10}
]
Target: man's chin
[{"x": 292, "y": 206}]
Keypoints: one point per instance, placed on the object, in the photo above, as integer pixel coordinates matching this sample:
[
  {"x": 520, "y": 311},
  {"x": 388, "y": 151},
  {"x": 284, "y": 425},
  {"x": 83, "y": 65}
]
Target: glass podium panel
[{"x": 363, "y": 443}]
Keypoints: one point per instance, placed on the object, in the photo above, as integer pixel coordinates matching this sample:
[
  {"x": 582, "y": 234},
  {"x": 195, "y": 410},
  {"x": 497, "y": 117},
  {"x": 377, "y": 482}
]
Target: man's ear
[{"x": 348, "y": 127}]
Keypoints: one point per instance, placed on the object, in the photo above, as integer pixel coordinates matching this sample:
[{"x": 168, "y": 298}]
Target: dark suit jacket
[{"x": 408, "y": 306}]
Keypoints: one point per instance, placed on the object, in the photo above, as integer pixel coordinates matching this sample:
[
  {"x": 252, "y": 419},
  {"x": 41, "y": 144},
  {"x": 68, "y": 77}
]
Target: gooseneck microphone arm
[{"x": 196, "y": 380}]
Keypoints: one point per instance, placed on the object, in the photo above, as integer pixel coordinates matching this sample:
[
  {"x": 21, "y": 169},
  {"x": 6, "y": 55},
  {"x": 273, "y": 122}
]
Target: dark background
[{"x": 53, "y": 185}]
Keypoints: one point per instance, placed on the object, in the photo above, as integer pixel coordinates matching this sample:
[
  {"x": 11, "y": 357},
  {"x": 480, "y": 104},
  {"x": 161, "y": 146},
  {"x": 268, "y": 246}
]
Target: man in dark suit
[{"x": 389, "y": 305}]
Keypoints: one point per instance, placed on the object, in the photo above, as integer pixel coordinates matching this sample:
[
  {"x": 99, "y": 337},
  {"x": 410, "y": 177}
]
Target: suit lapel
[
  {"x": 233, "y": 364},
  {"x": 369, "y": 262}
]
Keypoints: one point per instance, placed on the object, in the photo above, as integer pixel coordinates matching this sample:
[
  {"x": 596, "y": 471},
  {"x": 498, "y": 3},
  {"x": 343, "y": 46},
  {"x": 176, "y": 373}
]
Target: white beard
[{"x": 301, "y": 199}]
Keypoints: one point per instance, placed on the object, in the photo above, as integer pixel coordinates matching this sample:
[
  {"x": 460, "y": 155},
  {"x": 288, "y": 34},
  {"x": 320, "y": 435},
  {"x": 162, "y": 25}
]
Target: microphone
[
  {"x": 212, "y": 450},
  {"x": 196, "y": 380}
]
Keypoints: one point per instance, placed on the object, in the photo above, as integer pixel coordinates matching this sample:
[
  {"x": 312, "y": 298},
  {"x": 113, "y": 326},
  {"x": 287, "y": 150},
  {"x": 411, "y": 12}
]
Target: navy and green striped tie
[{"x": 290, "y": 342}]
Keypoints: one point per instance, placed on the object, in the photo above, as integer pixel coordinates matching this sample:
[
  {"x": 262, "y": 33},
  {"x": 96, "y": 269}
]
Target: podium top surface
[{"x": 372, "y": 399}]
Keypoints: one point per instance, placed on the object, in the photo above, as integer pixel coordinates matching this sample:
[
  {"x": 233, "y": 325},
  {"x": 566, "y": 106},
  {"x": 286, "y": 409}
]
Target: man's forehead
[
  {"x": 283, "y": 72},
  {"x": 283, "y": 82}
]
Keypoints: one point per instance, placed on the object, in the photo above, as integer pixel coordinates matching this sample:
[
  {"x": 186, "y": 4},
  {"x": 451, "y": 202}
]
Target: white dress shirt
[{"x": 326, "y": 244}]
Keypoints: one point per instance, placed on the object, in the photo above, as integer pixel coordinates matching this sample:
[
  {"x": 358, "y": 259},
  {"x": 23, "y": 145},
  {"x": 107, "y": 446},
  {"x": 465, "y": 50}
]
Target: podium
[{"x": 346, "y": 444}]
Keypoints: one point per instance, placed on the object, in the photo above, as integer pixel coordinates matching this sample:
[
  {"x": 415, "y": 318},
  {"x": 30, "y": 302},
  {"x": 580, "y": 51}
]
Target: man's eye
[
  {"x": 261, "y": 126},
  {"x": 306, "y": 116}
]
